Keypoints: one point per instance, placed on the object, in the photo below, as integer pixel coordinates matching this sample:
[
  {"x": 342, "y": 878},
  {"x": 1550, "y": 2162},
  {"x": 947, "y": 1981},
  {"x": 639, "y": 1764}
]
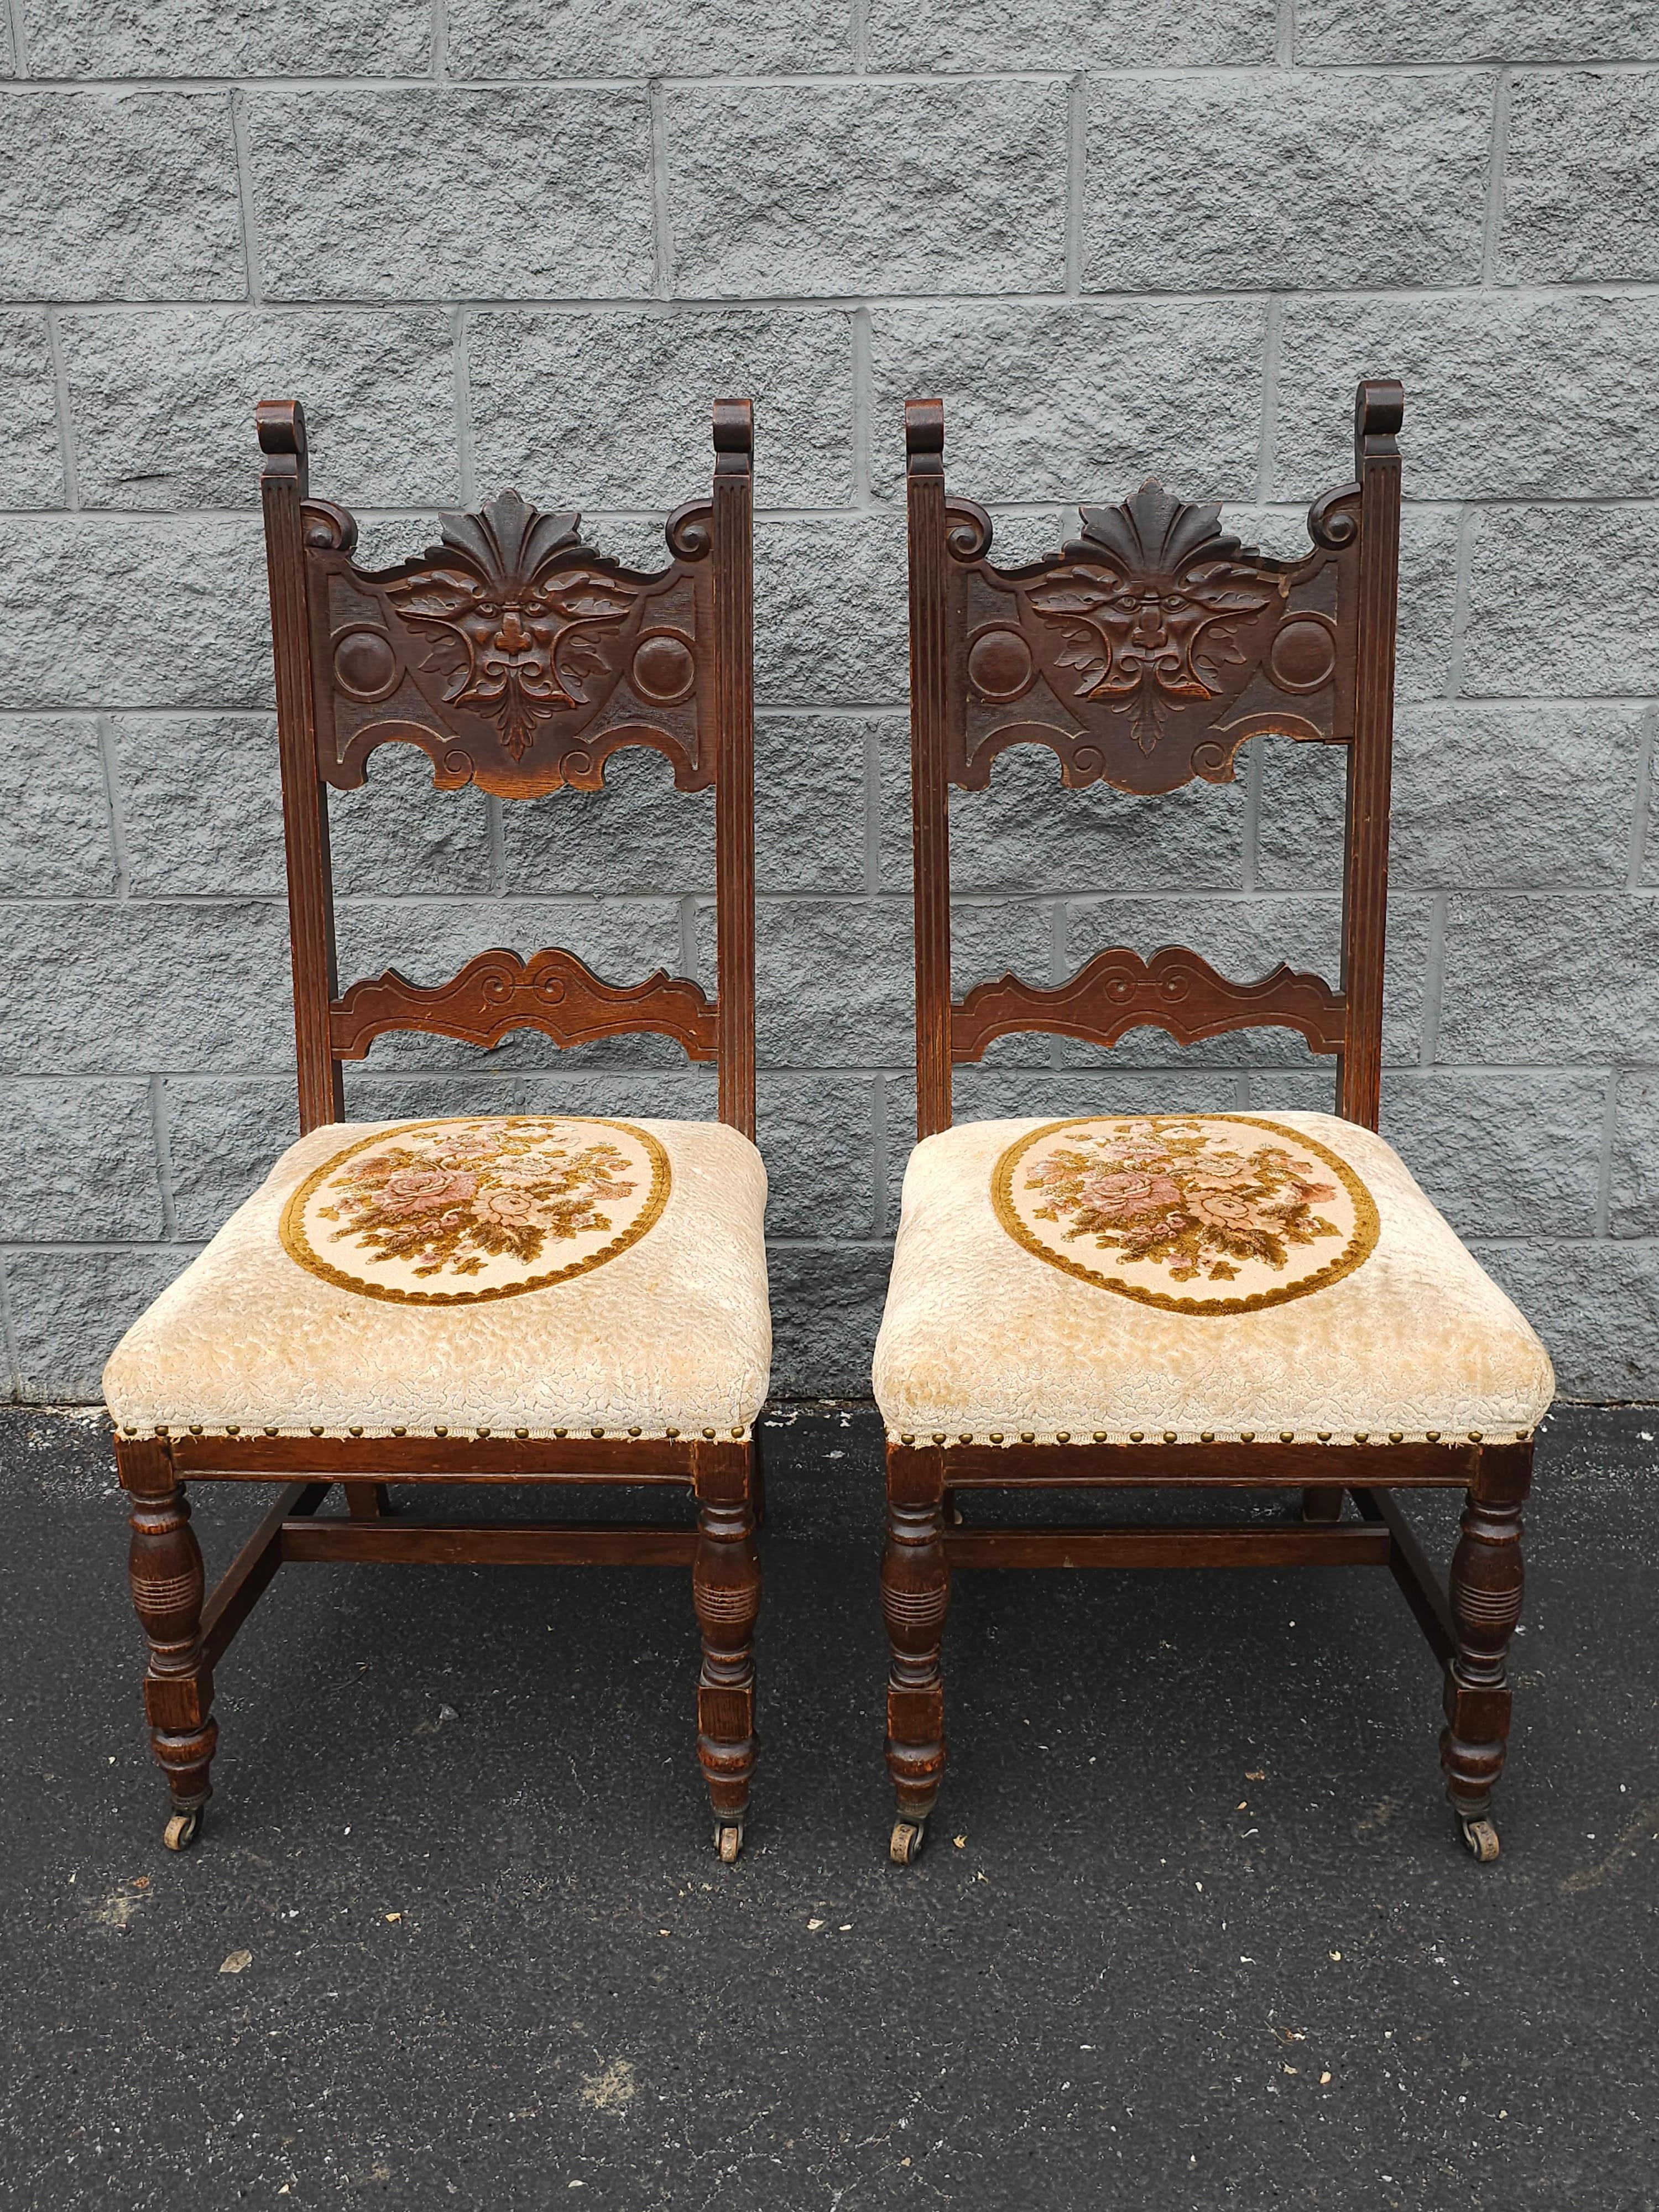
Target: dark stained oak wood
[
  {"x": 519, "y": 659},
  {"x": 1143, "y": 654},
  {"x": 486, "y": 1544},
  {"x": 1351, "y": 1545},
  {"x": 1175, "y": 990},
  {"x": 553, "y": 992}
]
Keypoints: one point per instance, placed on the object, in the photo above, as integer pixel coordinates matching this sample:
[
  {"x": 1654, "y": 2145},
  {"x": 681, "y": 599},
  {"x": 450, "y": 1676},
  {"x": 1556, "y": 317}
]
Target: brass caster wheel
[
  {"x": 181, "y": 1831},
  {"x": 728, "y": 1842},
  {"x": 1482, "y": 1838},
  {"x": 904, "y": 1845}
]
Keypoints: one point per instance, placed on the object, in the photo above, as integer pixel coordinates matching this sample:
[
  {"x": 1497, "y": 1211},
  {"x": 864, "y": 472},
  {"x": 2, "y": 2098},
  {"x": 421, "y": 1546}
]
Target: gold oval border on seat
[
  {"x": 298, "y": 1246},
  {"x": 1366, "y": 1228}
]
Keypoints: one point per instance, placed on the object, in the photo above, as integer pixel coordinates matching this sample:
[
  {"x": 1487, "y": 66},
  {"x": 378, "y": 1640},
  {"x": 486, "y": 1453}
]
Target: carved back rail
[
  {"x": 519, "y": 659},
  {"x": 1143, "y": 655}
]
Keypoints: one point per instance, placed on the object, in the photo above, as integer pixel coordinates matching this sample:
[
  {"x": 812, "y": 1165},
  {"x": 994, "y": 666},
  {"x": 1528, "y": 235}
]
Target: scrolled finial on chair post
[
  {"x": 734, "y": 434},
  {"x": 924, "y": 437},
  {"x": 281, "y": 424},
  {"x": 1379, "y": 408}
]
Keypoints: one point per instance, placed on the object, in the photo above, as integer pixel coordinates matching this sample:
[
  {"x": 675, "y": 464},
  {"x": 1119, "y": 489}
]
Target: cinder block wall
[{"x": 493, "y": 241}]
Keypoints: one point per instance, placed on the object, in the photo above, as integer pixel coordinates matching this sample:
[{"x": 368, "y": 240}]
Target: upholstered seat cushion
[
  {"x": 1218, "y": 1275},
  {"x": 539, "y": 1273}
]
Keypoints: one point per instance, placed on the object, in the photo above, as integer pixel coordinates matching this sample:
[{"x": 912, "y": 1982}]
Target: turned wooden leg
[
  {"x": 1485, "y": 1603},
  {"x": 915, "y": 1592},
  {"x": 1324, "y": 1503},
  {"x": 165, "y": 1566},
  {"x": 367, "y": 1501},
  {"x": 725, "y": 1590}
]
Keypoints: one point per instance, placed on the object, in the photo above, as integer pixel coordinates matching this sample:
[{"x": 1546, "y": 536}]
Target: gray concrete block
[
  {"x": 1077, "y": 402},
  {"x": 1027, "y": 35},
  {"x": 423, "y": 193},
  {"x": 54, "y": 810},
  {"x": 827, "y": 1301},
  {"x": 631, "y": 1093},
  {"x": 1522, "y": 795},
  {"x": 31, "y": 459},
  {"x": 1560, "y": 604},
  {"x": 104, "y": 989},
  {"x": 986, "y": 1094},
  {"x": 1482, "y": 795},
  {"x": 78, "y": 1161},
  {"x": 1473, "y": 31},
  {"x": 200, "y": 802},
  {"x": 1633, "y": 1185},
  {"x": 1578, "y": 179},
  {"x": 637, "y": 835},
  {"x": 1028, "y": 833},
  {"x": 114, "y": 614},
  {"x": 1501, "y": 1152},
  {"x": 199, "y": 38},
  {"x": 1507, "y": 397},
  {"x": 833, "y": 983},
  {"x": 1223, "y": 182},
  {"x": 1542, "y": 977},
  {"x": 597, "y": 410},
  {"x": 163, "y": 404},
  {"x": 816, "y": 1133},
  {"x": 224, "y": 1134},
  {"x": 69, "y": 1310},
  {"x": 620, "y": 38},
  {"x": 814, "y": 775},
  {"x": 428, "y": 941},
  {"x": 397, "y": 834},
  {"x": 1596, "y": 1305},
  {"x": 993, "y": 937},
  {"x": 825, "y": 189},
  {"x": 830, "y": 611},
  {"x": 123, "y": 196}
]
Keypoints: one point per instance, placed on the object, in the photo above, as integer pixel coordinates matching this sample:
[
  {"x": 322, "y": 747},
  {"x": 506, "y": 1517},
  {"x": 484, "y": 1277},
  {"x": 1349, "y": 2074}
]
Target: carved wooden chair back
[
  {"x": 1144, "y": 654},
  {"x": 519, "y": 659}
]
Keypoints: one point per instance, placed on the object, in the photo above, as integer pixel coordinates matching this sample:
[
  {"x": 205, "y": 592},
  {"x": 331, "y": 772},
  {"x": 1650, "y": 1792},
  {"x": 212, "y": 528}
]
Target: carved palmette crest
[
  {"x": 516, "y": 615},
  {"x": 1153, "y": 609}
]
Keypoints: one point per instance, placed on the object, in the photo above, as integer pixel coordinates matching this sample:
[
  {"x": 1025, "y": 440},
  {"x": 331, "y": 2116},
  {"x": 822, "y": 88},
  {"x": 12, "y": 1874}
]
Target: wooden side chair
[
  {"x": 1202, "y": 1301},
  {"x": 548, "y": 1298}
]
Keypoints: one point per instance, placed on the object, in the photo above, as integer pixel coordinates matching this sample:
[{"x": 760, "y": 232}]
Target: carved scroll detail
[
  {"x": 553, "y": 991},
  {"x": 1175, "y": 990}
]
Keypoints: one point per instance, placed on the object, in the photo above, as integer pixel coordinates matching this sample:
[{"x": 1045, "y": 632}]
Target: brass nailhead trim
[
  {"x": 596, "y": 1432},
  {"x": 1474, "y": 1436},
  {"x": 1433, "y": 1435},
  {"x": 907, "y": 1440},
  {"x": 196, "y": 1428},
  {"x": 233, "y": 1428},
  {"x": 270, "y": 1433},
  {"x": 161, "y": 1429},
  {"x": 1168, "y": 1436},
  {"x": 317, "y": 1432},
  {"x": 356, "y": 1432},
  {"x": 633, "y": 1432},
  {"x": 939, "y": 1435},
  {"x": 1396, "y": 1436},
  {"x": 1027, "y": 1437},
  {"x": 996, "y": 1438},
  {"x": 670, "y": 1433},
  {"x": 966, "y": 1437},
  {"x": 1136, "y": 1437},
  {"x": 400, "y": 1432},
  {"x": 1062, "y": 1435},
  {"x": 521, "y": 1433},
  {"x": 441, "y": 1432},
  {"x": 1287, "y": 1436},
  {"x": 1362, "y": 1436},
  {"x": 709, "y": 1432},
  {"x": 1324, "y": 1435},
  {"x": 1247, "y": 1436},
  {"x": 483, "y": 1432},
  {"x": 1100, "y": 1436},
  {"x": 1208, "y": 1436}
]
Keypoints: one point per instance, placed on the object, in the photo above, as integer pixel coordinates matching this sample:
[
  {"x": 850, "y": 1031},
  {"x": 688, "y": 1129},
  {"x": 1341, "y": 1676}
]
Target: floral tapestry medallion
[
  {"x": 446, "y": 1213},
  {"x": 1204, "y": 1213}
]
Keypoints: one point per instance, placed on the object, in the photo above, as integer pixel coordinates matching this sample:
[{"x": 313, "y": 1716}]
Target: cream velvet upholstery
[
  {"x": 674, "y": 1333},
  {"x": 981, "y": 1338}
]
